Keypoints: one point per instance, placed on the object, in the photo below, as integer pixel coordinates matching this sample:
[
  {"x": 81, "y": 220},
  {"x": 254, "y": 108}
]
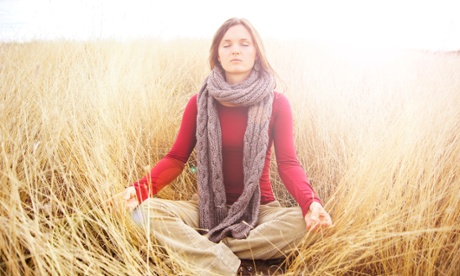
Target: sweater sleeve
[
  {"x": 291, "y": 172},
  {"x": 171, "y": 166}
]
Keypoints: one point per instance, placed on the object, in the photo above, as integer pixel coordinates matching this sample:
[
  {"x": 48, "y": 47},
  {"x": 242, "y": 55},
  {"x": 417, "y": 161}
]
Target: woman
[{"x": 233, "y": 122}]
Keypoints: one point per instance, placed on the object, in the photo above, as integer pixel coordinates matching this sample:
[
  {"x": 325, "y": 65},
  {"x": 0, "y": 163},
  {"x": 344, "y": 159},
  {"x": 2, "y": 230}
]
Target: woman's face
[{"x": 237, "y": 54}]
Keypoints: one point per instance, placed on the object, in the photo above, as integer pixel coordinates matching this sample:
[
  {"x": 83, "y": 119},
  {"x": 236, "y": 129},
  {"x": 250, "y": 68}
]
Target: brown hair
[{"x": 213, "y": 51}]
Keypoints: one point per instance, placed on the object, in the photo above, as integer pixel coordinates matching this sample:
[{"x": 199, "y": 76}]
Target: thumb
[
  {"x": 313, "y": 219},
  {"x": 315, "y": 212},
  {"x": 128, "y": 194}
]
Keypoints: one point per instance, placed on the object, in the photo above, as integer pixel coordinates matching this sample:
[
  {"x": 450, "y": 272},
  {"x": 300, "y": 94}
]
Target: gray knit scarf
[{"x": 216, "y": 219}]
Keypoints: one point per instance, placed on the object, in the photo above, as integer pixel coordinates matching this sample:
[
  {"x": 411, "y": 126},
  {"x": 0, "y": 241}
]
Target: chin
[{"x": 238, "y": 70}]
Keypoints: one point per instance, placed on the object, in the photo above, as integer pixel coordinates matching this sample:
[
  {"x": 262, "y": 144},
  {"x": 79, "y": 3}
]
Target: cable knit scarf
[{"x": 216, "y": 219}]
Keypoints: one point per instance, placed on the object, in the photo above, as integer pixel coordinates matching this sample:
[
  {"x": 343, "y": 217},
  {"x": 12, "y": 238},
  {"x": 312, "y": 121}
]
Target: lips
[{"x": 235, "y": 60}]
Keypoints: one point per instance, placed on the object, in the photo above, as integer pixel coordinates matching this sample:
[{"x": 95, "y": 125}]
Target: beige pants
[{"x": 174, "y": 226}]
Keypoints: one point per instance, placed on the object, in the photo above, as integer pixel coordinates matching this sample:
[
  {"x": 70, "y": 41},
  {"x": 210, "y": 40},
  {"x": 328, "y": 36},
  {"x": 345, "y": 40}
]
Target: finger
[
  {"x": 312, "y": 223},
  {"x": 129, "y": 207},
  {"x": 326, "y": 220},
  {"x": 132, "y": 205},
  {"x": 308, "y": 221}
]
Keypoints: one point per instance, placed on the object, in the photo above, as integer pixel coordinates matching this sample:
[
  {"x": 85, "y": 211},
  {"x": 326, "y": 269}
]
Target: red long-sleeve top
[{"x": 233, "y": 121}]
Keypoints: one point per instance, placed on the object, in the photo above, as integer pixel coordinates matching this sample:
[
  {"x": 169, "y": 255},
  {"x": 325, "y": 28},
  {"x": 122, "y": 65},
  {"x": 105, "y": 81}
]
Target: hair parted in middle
[{"x": 213, "y": 52}]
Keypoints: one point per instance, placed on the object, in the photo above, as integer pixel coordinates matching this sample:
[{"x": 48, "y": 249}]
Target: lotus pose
[{"x": 233, "y": 123}]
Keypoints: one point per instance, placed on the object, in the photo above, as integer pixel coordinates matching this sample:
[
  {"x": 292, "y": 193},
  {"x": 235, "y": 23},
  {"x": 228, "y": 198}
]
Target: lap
[
  {"x": 274, "y": 211},
  {"x": 271, "y": 215}
]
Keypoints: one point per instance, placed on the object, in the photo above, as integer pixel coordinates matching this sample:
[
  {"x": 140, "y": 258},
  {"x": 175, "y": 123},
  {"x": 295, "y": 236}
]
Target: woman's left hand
[{"x": 317, "y": 218}]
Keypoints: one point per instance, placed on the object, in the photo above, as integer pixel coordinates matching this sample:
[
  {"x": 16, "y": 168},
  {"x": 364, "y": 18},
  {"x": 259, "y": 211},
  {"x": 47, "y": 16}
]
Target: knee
[
  {"x": 157, "y": 207},
  {"x": 294, "y": 220}
]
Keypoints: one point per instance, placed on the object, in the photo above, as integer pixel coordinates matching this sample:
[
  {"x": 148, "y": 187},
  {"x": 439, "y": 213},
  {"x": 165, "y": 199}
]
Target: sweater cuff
[
  {"x": 306, "y": 207},
  {"x": 142, "y": 191}
]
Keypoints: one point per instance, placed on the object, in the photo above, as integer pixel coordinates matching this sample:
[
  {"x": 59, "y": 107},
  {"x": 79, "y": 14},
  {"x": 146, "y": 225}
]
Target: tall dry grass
[{"x": 380, "y": 139}]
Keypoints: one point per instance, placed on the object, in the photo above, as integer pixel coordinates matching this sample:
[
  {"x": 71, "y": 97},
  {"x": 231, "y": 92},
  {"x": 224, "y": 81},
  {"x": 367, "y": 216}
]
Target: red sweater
[{"x": 233, "y": 121}]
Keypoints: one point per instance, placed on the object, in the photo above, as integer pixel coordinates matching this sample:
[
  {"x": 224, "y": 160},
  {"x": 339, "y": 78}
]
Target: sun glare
[{"x": 358, "y": 23}]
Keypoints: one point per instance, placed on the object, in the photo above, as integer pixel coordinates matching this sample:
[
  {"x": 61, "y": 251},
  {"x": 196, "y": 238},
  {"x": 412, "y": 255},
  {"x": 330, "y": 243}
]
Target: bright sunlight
[{"x": 431, "y": 25}]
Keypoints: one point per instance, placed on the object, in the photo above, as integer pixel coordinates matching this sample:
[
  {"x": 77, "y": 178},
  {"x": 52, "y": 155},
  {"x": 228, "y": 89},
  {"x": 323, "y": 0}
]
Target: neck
[{"x": 232, "y": 78}]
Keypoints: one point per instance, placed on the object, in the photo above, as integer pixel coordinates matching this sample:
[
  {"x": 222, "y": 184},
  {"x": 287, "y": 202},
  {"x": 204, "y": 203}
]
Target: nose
[{"x": 235, "y": 51}]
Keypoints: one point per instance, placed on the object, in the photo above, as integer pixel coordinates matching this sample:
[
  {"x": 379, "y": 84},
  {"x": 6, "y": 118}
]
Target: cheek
[
  {"x": 253, "y": 53},
  {"x": 219, "y": 55}
]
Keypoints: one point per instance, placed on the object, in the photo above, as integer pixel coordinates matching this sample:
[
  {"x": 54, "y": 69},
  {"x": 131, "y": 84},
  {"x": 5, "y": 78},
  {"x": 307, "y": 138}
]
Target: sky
[{"x": 423, "y": 24}]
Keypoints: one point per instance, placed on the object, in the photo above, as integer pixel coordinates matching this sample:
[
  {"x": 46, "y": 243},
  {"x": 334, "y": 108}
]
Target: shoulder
[
  {"x": 193, "y": 100},
  {"x": 280, "y": 102},
  {"x": 280, "y": 97},
  {"x": 192, "y": 105}
]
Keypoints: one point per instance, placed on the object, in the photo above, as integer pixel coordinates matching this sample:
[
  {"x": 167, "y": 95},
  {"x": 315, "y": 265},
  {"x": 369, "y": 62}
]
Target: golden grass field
[{"x": 378, "y": 134}]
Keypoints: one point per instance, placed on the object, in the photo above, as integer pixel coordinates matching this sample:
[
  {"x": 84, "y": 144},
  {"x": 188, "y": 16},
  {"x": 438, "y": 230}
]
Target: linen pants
[{"x": 175, "y": 224}]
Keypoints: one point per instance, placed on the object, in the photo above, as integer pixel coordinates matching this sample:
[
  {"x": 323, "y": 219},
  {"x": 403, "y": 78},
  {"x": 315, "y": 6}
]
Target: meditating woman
[{"x": 232, "y": 123}]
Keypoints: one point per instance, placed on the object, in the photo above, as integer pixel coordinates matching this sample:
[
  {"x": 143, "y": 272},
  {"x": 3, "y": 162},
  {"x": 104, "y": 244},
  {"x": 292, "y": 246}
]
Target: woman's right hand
[{"x": 130, "y": 197}]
